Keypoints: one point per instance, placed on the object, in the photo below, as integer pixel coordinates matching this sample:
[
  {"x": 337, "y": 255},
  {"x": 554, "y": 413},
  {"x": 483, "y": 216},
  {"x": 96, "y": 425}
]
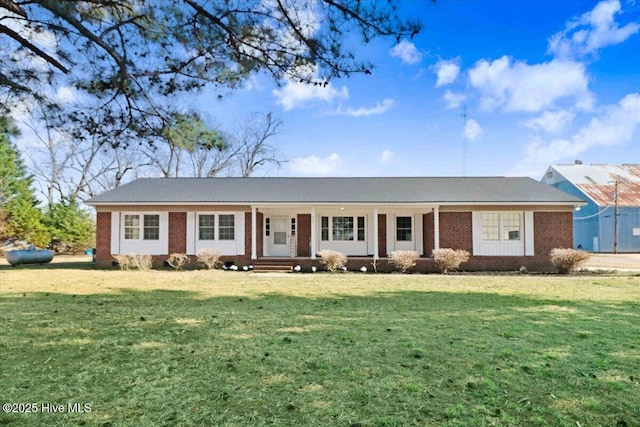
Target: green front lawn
[{"x": 236, "y": 349}]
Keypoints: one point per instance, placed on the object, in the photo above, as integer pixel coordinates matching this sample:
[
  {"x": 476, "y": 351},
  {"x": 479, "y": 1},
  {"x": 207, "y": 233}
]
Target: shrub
[
  {"x": 178, "y": 261},
  {"x": 133, "y": 261},
  {"x": 449, "y": 259},
  {"x": 125, "y": 262},
  {"x": 209, "y": 257},
  {"x": 567, "y": 260},
  {"x": 143, "y": 262},
  {"x": 333, "y": 260},
  {"x": 404, "y": 260}
]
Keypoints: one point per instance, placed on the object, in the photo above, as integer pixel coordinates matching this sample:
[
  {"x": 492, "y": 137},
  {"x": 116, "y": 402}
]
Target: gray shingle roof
[{"x": 398, "y": 190}]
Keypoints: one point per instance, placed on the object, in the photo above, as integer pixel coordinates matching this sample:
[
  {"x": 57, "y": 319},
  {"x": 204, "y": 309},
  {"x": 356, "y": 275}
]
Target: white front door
[
  {"x": 280, "y": 236},
  {"x": 404, "y": 233}
]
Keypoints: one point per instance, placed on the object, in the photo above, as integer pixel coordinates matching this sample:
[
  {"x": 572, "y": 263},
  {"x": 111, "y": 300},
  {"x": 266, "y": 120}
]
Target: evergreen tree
[
  {"x": 20, "y": 218},
  {"x": 71, "y": 227}
]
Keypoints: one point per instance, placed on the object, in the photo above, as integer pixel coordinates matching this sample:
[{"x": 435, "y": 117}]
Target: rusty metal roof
[{"x": 598, "y": 181}]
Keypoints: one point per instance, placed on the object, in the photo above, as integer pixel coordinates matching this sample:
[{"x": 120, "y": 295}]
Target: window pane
[
  {"x": 342, "y": 228},
  {"x": 511, "y": 226},
  {"x": 279, "y": 237},
  {"x": 490, "y": 226},
  {"x": 151, "y": 227},
  {"x": 226, "y": 230},
  {"x": 267, "y": 226},
  {"x": 403, "y": 229},
  {"x": 132, "y": 220},
  {"x": 206, "y": 227},
  {"x": 324, "y": 228},
  {"x": 131, "y": 227},
  {"x": 361, "y": 228}
]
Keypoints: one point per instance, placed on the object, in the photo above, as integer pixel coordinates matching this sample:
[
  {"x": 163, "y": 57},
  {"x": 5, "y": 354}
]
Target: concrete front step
[{"x": 270, "y": 268}]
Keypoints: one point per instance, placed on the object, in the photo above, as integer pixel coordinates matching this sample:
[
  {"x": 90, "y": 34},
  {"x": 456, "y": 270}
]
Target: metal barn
[{"x": 610, "y": 222}]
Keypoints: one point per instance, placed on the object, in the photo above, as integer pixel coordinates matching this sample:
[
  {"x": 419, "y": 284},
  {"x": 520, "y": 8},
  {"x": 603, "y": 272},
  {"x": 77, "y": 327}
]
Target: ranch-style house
[{"x": 504, "y": 222}]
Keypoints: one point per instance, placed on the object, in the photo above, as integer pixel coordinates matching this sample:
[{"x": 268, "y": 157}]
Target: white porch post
[
  {"x": 436, "y": 227},
  {"x": 376, "y": 254},
  {"x": 313, "y": 233},
  {"x": 254, "y": 233}
]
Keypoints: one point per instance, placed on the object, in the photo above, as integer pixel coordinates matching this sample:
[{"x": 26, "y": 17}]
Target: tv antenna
[{"x": 465, "y": 141}]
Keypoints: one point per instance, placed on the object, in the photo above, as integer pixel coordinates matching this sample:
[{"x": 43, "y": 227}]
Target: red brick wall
[
  {"x": 456, "y": 230},
  {"x": 552, "y": 230},
  {"x": 103, "y": 239},
  {"x": 177, "y": 232},
  {"x": 382, "y": 235},
  {"x": 260, "y": 234},
  {"x": 303, "y": 235},
  {"x": 428, "y": 241},
  {"x": 247, "y": 234}
]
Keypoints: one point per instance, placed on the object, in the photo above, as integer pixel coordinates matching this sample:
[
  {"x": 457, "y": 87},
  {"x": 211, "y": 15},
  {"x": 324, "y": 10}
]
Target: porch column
[
  {"x": 376, "y": 254},
  {"x": 313, "y": 233},
  {"x": 436, "y": 227},
  {"x": 254, "y": 240}
]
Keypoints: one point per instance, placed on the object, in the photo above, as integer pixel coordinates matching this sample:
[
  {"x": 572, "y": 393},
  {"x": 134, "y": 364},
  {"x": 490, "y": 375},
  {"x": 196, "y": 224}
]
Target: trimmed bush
[
  {"x": 125, "y": 262},
  {"x": 448, "y": 259},
  {"x": 567, "y": 260},
  {"x": 333, "y": 260},
  {"x": 143, "y": 262},
  {"x": 209, "y": 257},
  {"x": 178, "y": 261},
  {"x": 404, "y": 260},
  {"x": 134, "y": 262}
]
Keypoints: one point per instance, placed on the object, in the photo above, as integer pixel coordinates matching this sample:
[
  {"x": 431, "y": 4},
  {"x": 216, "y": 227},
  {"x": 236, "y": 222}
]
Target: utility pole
[{"x": 615, "y": 217}]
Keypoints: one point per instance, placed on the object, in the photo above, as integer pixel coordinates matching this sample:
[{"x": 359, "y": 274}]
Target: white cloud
[
  {"x": 407, "y": 52},
  {"x": 386, "y": 157},
  {"x": 453, "y": 100},
  {"x": 297, "y": 94},
  {"x": 616, "y": 126},
  {"x": 447, "y": 72},
  {"x": 551, "y": 121},
  {"x": 380, "y": 108},
  {"x": 517, "y": 86},
  {"x": 331, "y": 165},
  {"x": 592, "y": 31},
  {"x": 472, "y": 130}
]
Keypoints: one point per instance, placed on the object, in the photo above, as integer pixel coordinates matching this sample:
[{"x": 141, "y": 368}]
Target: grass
[{"x": 201, "y": 348}]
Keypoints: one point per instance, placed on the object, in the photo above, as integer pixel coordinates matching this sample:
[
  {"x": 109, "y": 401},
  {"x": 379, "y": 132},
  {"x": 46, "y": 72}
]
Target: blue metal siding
[
  {"x": 628, "y": 219},
  {"x": 588, "y": 224},
  {"x": 585, "y": 221}
]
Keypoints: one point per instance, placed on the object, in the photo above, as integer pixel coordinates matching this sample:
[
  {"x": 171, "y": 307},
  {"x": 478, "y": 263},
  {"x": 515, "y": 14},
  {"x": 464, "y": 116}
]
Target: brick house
[{"x": 505, "y": 223}]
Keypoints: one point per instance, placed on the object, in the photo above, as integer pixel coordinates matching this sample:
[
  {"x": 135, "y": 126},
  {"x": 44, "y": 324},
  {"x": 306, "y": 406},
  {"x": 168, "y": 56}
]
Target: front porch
[{"x": 357, "y": 231}]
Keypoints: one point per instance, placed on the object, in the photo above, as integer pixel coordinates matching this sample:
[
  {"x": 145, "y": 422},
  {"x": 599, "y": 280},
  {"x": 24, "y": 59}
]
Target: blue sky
[{"x": 542, "y": 82}]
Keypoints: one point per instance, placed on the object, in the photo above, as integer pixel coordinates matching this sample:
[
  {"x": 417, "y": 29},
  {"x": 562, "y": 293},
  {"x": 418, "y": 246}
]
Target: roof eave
[{"x": 342, "y": 203}]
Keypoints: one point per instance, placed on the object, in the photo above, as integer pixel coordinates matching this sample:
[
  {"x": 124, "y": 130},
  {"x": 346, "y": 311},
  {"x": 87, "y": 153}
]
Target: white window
[
  {"x": 225, "y": 229},
  {"x": 503, "y": 233},
  {"x": 342, "y": 228},
  {"x": 403, "y": 229},
  {"x": 511, "y": 226},
  {"x": 206, "y": 227},
  {"x": 490, "y": 226},
  {"x": 501, "y": 226},
  {"x": 148, "y": 228}
]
